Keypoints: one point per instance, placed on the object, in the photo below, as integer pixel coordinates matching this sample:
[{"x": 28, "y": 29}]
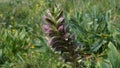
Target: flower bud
[
  {"x": 61, "y": 28},
  {"x": 46, "y": 27}
]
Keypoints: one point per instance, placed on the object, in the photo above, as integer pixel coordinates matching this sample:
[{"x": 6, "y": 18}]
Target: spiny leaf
[
  {"x": 60, "y": 14},
  {"x": 50, "y": 21},
  {"x": 60, "y": 20}
]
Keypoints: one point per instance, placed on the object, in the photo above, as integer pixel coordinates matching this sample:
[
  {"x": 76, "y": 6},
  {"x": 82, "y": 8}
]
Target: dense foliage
[{"x": 81, "y": 34}]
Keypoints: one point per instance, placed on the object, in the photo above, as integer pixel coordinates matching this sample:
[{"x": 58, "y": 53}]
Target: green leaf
[
  {"x": 0, "y": 53},
  {"x": 108, "y": 15},
  {"x": 22, "y": 34},
  {"x": 102, "y": 64},
  {"x": 114, "y": 56},
  {"x": 96, "y": 45},
  {"x": 77, "y": 26}
]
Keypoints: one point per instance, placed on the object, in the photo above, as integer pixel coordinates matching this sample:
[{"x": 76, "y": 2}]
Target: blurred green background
[{"x": 22, "y": 40}]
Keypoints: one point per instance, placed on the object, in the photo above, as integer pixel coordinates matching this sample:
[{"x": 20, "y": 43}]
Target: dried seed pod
[
  {"x": 57, "y": 43},
  {"x": 61, "y": 49},
  {"x": 53, "y": 39}
]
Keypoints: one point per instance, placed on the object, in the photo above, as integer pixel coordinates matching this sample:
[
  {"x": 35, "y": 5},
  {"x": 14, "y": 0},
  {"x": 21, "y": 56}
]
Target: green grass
[{"x": 22, "y": 40}]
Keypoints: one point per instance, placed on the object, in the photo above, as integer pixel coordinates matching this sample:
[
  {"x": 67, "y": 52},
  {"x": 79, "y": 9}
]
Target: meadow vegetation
[{"x": 95, "y": 24}]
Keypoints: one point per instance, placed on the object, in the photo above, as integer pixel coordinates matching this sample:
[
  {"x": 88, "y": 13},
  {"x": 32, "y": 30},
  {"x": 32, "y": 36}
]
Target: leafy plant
[
  {"x": 59, "y": 37},
  {"x": 96, "y": 39},
  {"x": 93, "y": 24}
]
